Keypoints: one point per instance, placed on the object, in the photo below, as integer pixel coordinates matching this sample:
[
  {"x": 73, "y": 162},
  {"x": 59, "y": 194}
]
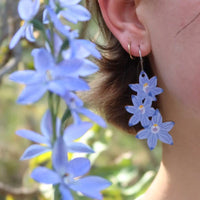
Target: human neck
[{"x": 178, "y": 176}]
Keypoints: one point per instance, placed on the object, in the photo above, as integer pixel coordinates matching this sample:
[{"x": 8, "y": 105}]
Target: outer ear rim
[{"x": 135, "y": 36}]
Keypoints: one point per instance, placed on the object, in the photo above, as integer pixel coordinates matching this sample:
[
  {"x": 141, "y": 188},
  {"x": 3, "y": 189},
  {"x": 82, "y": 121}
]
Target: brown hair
[{"x": 110, "y": 91}]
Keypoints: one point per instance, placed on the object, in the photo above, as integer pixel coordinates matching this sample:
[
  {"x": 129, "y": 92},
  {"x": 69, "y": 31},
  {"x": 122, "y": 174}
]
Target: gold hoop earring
[{"x": 129, "y": 51}]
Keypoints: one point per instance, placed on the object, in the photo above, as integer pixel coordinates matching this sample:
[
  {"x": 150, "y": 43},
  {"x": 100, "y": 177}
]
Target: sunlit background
[{"x": 119, "y": 157}]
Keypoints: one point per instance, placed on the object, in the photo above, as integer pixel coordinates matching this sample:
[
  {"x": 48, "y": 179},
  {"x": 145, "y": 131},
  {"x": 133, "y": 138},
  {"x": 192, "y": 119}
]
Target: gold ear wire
[{"x": 129, "y": 51}]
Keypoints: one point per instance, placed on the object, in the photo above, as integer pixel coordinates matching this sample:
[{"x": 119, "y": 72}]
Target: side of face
[
  {"x": 174, "y": 29},
  {"x": 167, "y": 30}
]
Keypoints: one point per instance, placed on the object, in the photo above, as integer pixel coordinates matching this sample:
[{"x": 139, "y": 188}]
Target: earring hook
[
  {"x": 141, "y": 58},
  {"x": 129, "y": 51}
]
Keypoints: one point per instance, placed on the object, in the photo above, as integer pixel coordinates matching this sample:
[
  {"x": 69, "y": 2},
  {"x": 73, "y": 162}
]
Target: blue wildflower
[
  {"x": 141, "y": 111},
  {"x": 146, "y": 88},
  {"x": 156, "y": 130},
  {"x": 49, "y": 76},
  {"x": 27, "y": 10},
  {"x": 76, "y": 107},
  {"x": 45, "y": 140},
  {"x": 67, "y": 175},
  {"x": 70, "y": 10}
]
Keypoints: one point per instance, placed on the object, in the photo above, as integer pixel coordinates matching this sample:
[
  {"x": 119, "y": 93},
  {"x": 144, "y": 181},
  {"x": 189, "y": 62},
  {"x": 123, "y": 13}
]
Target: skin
[{"x": 169, "y": 32}]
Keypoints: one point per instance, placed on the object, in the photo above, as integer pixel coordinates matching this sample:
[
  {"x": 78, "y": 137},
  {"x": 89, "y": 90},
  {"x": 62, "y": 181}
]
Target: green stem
[
  {"x": 57, "y": 195},
  {"x": 66, "y": 115},
  {"x": 53, "y": 115}
]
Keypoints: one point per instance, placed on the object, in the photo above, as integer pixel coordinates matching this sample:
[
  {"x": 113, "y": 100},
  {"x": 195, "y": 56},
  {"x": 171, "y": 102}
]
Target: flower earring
[{"x": 154, "y": 128}]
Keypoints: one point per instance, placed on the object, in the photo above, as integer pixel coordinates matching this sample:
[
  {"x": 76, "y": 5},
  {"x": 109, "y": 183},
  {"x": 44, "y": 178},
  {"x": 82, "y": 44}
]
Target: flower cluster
[
  {"x": 146, "y": 115},
  {"x": 60, "y": 68}
]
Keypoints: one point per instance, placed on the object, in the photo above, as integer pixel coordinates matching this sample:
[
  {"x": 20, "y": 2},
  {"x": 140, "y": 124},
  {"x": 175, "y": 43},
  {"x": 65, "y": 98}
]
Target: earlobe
[{"x": 123, "y": 21}]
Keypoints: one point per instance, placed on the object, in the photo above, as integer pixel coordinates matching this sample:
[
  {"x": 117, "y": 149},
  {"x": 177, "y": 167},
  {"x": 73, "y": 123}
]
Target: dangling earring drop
[{"x": 150, "y": 119}]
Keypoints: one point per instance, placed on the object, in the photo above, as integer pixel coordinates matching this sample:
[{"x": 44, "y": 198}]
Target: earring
[
  {"x": 129, "y": 51},
  {"x": 154, "y": 128}
]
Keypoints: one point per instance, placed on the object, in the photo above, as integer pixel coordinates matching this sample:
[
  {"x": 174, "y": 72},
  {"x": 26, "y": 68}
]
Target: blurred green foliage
[{"x": 119, "y": 157}]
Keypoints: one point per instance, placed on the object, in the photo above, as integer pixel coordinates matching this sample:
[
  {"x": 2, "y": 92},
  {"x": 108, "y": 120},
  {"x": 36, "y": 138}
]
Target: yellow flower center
[{"x": 22, "y": 23}]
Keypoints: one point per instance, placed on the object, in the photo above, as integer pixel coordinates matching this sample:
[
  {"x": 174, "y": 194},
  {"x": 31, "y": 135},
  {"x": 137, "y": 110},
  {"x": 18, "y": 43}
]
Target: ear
[{"x": 122, "y": 19}]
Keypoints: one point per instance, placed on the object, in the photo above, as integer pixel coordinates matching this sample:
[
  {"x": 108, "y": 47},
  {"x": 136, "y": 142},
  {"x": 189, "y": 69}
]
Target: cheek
[{"x": 176, "y": 58}]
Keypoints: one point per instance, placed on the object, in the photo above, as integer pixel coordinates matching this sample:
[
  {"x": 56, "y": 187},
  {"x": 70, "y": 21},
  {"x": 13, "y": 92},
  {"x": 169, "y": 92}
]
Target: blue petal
[
  {"x": 78, "y": 167},
  {"x": 131, "y": 109},
  {"x": 153, "y": 81},
  {"x": 59, "y": 156},
  {"x": 92, "y": 116},
  {"x": 134, "y": 120},
  {"x": 65, "y": 192},
  {"x": 65, "y": 3},
  {"x": 152, "y": 141},
  {"x": 145, "y": 121},
  {"x": 167, "y": 126},
  {"x": 56, "y": 88},
  {"x": 137, "y": 101},
  {"x": 83, "y": 48},
  {"x": 44, "y": 175},
  {"x": 74, "y": 132},
  {"x": 87, "y": 68},
  {"x": 143, "y": 134},
  {"x": 46, "y": 125},
  {"x": 16, "y": 38},
  {"x": 33, "y": 136},
  {"x": 91, "y": 186},
  {"x": 33, "y": 151},
  {"x": 143, "y": 78},
  {"x": 45, "y": 19},
  {"x": 22, "y": 76},
  {"x": 68, "y": 67},
  {"x": 58, "y": 25},
  {"x": 29, "y": 33},
  {"x": 156, "y": 91},
  {"x": 150, "y": 112},
  {"x": 75, "y": 13},
  {"x": 165, "y": 137},
  {"x": 74, "y": 147},
  {"x": 43, "y": 60},
  {"x": 135, "y": 87},
  {"x": 74, "y": 84},
  {"x": 157, "y": 118},
  {"x": 25, "y": 9},
  {"x": 31, "y": 94}
]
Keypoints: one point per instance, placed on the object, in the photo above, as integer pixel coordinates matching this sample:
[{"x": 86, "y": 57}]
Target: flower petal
[
  {"x": 22, "y": 76},
  {"x": 59, "y": 156},
  {"x": 74, "y": 147},
  {"x": 167, "y": 126},
  {"x": 75, "y": 13},
  {"x": 165, "y": 137},
  {"x": 153, "y": 81},
  {"x": 134, "y": 120},
  {"x": 16, "y": 38},
  {"x": 143, "y": 78},
  {"x": 44, "y": 175},
  {"x": 65, "y": 192},
  {"x": 145, "y": 121},
  {"x": 131, "y": 109},
  {"x": 46, "y": 125},
  {"x": 43, "y": 60},
  {"x": 33, "y": 151},
  {"x": 157, "y": 118},
  {"x": 78, "y": 167},
  {"x": 74, "y": 132},
  {"x": 33, "y": 136},
  {"x": 143, "y": 134},
  {"x": 152, "y": 141},
  {"x": 29, "y": 33},
  {"x": 90, "y": 186},
  {"x": 31, "y": 94},
  {"x": 135, "y": 87},
  {"x": 92, "y": 116}
]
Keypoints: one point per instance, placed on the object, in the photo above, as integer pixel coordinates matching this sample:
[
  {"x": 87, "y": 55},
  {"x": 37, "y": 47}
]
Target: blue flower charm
[
  {"x": 157, "y": 130},
  {"x": 27, "y": 29},
  {"x": 146, "y": 87},
  {"x": 67, "y": 175},
  {"x": 141, "y": 111}
]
